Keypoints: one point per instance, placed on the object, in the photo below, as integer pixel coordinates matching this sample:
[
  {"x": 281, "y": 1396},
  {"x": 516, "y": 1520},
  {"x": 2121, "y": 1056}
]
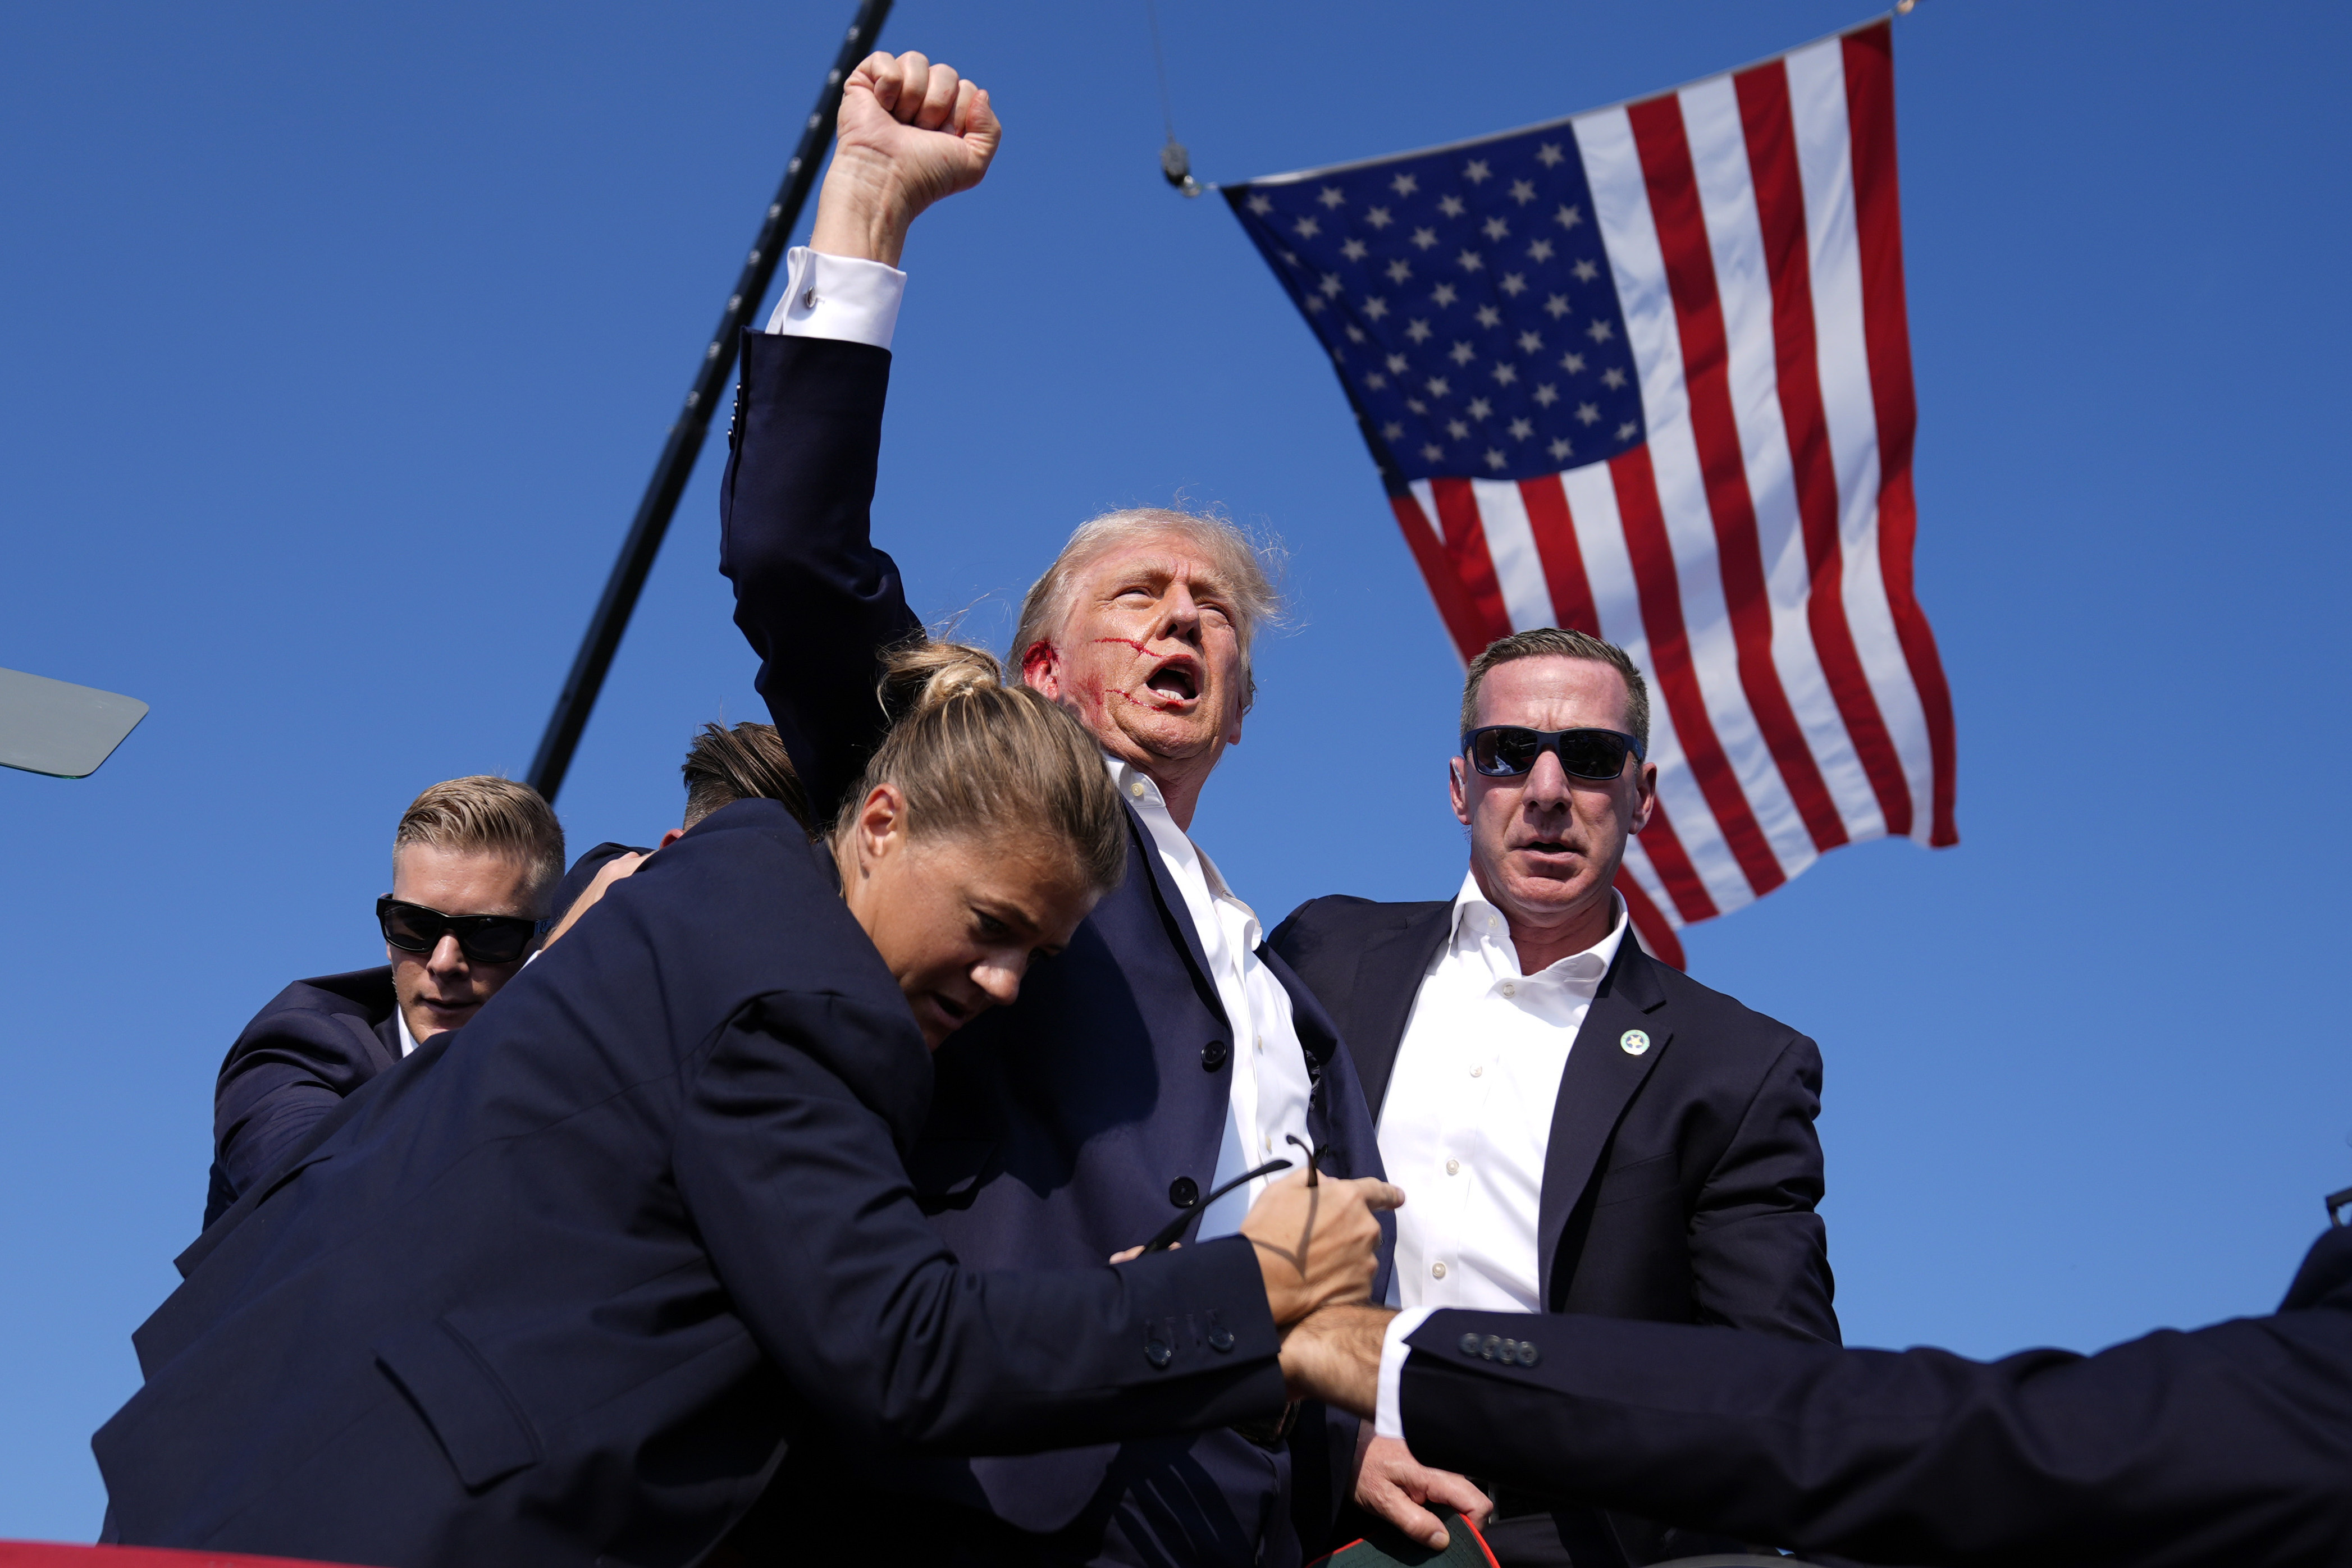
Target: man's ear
[
  {"x": 670, "y": 838},
  {"x": 1457, "y": 785},
  {"x": 1041, "y": 669},
  {"x": 1646, "y": 797}
]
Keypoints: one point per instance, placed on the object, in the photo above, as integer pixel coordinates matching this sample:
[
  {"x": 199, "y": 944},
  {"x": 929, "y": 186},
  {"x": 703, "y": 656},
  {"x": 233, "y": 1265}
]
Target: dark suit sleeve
[
  {"x": 812, "y": 595},
  {"x": 2230, "y": 1445},
  {"x": 285, "y": 1072},
  {"x": 813, "y": 1225},
  {"x": 1760, "y": 1253}
]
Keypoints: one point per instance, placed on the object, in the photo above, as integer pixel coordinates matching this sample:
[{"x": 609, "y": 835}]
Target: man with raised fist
[{"x": 1167, "y": 1053}]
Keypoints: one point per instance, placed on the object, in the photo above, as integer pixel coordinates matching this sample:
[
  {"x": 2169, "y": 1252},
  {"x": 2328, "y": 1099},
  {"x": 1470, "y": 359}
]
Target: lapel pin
[{"x": 1634, "y": 1041}]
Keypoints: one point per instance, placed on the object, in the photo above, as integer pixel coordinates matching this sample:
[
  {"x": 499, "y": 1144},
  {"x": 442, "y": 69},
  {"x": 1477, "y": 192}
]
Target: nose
[
  {"x": 447, "y": 957},
  {"x": 1179, "y": 614},
  {"x": 1547, "y": 786},
  {"x": 999, "y": 975}
]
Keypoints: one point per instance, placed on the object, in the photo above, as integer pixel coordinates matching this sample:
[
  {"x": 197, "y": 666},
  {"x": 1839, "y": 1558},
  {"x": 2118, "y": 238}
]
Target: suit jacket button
[
  {"x": 1157, "y": 1352},
  {"x": 1470, "y": 1344},
  {"x": 1212, "y": 1056},
  {"x": 1184, "y": 1192},
  {"x": 1220, "y": 1338}
]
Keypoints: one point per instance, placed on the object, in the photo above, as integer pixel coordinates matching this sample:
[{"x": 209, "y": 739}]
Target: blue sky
[{"x": 336, "y": 344}]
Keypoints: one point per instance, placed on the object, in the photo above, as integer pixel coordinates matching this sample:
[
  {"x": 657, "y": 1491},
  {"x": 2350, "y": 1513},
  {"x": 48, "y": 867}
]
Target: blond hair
[
  {"x": 488, "y": 815},
  {"x": 1559, "y": 642},
  {"x": 974, "y": 756},
  {"x": 1246, "y": 569}
]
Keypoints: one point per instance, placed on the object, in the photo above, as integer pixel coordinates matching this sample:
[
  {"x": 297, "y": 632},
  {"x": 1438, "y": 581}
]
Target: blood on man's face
[{"x": 1149, "y": 657}]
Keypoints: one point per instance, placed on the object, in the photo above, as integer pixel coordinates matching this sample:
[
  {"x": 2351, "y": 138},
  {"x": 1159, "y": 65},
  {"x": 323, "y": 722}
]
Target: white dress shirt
[
  {"x": 840, "y": 296},
  {"x": 857, "y": 300},
  {"x": 407, "y": 1040},
  {"x": 1270, "y": 1086},
  {"x": 1467, "y": 1121}
]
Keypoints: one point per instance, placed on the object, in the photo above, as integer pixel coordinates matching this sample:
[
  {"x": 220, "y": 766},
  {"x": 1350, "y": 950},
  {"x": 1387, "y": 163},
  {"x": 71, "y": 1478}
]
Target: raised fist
[{"x": 910, "y": 132}]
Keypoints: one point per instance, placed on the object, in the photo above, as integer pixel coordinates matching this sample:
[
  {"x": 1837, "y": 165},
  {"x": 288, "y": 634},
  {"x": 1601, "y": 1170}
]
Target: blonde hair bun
[
  {"x": 976, "y": 756},
  {"x": 920, "y": 676}
]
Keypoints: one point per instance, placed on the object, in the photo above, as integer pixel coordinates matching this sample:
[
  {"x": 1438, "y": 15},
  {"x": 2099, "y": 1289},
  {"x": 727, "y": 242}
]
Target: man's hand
[
  {"x": 910, "y": 132},
  {"x": 1318, "y": 1244},
  {"x": 611, "y": 871},
  {"x": 1334, "y": 1356},
  {"x": 1394, "y": 1485}
]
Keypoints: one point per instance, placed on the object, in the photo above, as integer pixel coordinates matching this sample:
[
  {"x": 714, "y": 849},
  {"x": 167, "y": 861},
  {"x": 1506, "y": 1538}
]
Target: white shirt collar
[
  {"x": 407, "y": 1040},
  {"x": 1477, "y": 922},
  {"x": 1141, "y": 791}
]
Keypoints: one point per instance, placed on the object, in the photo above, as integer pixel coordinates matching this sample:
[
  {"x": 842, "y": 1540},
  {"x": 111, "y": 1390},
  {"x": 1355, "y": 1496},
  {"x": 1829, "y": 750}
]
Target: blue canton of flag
[{"x": 1466, "y": 299}]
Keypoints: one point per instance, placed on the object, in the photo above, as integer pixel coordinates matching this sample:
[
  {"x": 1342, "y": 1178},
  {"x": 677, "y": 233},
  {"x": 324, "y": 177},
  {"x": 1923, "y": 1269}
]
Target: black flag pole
[{"x": 686, "y": 437}]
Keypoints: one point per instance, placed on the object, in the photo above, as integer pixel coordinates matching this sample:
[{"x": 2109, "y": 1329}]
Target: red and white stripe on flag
[{"x": 1753, "y": 554}]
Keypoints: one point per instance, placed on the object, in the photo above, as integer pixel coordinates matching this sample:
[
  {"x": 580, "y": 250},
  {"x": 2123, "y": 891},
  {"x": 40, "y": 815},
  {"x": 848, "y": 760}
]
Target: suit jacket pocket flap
[
  {"x": 1639, "y": 1179},
  {"x": 477, "y": 1421}
]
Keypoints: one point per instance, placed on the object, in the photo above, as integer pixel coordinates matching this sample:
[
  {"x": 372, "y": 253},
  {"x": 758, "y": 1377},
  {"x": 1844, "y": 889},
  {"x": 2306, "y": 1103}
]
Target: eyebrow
[{"x": 1208, "y": 579}]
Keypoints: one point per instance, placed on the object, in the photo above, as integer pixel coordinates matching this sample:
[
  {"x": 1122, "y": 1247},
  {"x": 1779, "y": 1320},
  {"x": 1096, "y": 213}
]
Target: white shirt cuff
[
  {"x": 1387, "y": 1421},
  {"x": 839, "y": 297}
]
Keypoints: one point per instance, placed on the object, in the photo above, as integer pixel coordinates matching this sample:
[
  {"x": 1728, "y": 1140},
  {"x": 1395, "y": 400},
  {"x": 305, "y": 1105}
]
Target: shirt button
[
  {"x": 1136, "y": 789},
  {"x": 1509, "y": 989},
  {"x": 1437, "y": 1270},
  {"x": 1478, "y": 1072},
  {"x": 1452, "y": 1168}
]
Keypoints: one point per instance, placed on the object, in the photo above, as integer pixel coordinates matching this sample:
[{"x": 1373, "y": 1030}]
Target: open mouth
[{"x": 1174, "y": 682}]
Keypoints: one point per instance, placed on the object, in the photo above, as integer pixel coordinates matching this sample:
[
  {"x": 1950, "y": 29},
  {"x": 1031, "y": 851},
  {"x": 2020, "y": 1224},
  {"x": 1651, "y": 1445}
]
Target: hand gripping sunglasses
[
  {"x": 483, "y": 938},
  {"x": 1507, "y": 750}
]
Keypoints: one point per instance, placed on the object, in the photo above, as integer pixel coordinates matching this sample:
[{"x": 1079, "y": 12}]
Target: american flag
[{"x": 1646, "y": 372}]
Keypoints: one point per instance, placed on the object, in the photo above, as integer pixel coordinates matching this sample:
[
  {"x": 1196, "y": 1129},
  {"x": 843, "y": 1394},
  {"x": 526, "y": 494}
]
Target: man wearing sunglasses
[
  {"x": 472, "y": 861},
  {"x": 1581, "y": 1128}
]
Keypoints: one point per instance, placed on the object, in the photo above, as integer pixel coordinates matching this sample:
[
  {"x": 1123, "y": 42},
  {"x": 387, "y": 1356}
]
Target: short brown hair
[
  {"x": 488, "y": 815},
  {"x": 1248, "y": 567},
  {"x": 975, "y": 755},
  {"x": 1558, "y": 642},
  {"x": 748, "y": 762}
]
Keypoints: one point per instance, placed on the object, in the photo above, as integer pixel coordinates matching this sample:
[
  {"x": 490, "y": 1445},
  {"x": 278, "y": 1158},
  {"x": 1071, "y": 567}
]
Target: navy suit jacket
[
  {"x": 2227, "y": 1448},
  {"x": 560, "y": 1292},
  {"x": 314, "y": 1043},
  {"x": 1679, "y": 1185},
  {"x": 1087, "y": 1114}
]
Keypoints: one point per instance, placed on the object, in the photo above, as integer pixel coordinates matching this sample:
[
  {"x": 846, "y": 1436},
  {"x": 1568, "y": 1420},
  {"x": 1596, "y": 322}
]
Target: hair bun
[{"x": 923, "y": 676}]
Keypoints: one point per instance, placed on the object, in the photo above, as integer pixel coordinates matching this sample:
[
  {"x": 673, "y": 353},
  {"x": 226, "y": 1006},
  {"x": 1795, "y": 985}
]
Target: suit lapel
[
  {"x": 1600, "y": 1080},
  {"x": 1387, "y": 978},
  {"x": 1175, "y": 912}
]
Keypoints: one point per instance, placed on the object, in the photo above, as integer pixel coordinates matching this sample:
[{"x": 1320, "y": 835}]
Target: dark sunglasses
[
  {"x": 483, "y": 938},
  {"x": 1506, "y": 750}
]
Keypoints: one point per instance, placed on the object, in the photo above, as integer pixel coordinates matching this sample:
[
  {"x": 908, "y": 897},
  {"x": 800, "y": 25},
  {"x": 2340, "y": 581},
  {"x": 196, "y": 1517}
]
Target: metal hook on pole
[{"x": 1175, "y": 164}]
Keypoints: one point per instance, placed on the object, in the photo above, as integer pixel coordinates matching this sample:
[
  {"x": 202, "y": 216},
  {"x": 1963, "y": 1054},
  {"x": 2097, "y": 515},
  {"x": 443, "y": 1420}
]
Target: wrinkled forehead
[
  {"x": 1158, "y": 559},
  {"x": 1554, "y": 691}
]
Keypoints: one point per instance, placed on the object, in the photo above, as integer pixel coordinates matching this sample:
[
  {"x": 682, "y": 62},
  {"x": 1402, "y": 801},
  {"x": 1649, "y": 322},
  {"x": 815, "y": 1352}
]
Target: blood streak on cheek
[{"x": 1127, "y": 643}]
